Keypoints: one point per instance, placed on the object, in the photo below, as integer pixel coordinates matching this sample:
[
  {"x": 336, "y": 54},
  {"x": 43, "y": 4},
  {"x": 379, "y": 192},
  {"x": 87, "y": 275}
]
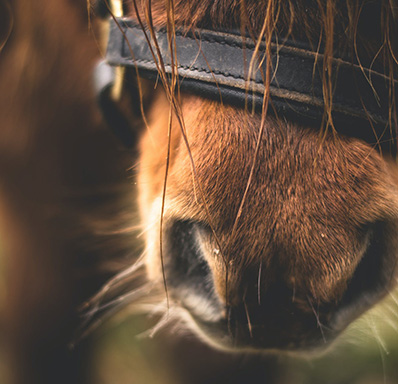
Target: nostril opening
[
  {"x": 187, "y": 271},
  {"x": 368, "y": 279}
]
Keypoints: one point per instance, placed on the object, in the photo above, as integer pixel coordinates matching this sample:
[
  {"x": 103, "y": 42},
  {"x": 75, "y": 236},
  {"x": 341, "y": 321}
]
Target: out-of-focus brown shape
[
  {"x": 6, "y": 22},
  {"x": 58, "y": 165}
]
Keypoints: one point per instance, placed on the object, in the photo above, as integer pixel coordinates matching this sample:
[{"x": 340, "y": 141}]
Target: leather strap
[{"x": 215, "y": 65}]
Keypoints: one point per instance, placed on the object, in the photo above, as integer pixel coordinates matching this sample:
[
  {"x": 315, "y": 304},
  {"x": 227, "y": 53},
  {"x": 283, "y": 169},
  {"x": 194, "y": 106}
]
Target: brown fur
[{"x": 310, "y": 201}]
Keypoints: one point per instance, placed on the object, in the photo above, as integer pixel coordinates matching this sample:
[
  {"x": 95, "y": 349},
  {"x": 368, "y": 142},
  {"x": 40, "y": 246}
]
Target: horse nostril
[
  {"x": 186, "y": 264},
  {"x": 369, "y": 281},
  {"x": 188, "y": 273}
]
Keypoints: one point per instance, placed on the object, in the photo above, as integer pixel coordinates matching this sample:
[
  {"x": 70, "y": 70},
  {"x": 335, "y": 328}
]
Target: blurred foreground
[{"x": 366, "y": 354}]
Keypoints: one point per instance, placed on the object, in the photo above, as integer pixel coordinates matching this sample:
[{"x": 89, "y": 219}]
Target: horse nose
[{"x": 271, "y": 306}]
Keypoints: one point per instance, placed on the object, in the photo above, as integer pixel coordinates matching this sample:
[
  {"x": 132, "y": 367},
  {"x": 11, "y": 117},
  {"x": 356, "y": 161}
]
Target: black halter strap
[{"x": 216, "y": 65}]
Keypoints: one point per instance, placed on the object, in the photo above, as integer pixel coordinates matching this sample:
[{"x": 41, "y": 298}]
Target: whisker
[
  {"x": 391, "y": 311},
  {"x": 376, "y": 334},
  {"x": 229, "y": 314},
  {"x": 259, "y": 283},
  {"x": 159, "y": 307},
  {"x": 122, "y": 231},
  {"x": 115, "y": 281},
  {"x": 319, "y": 324},
  {"x": 123, "y": 299},
  {"x": 392, "y": 324},
  {"x": 164, "y": 320},
  {"x": 381, "y": 345},
  {"x": 395, "y": 300},
  {"x": 249, "y": 324},
  {"x": 99, "y": 314},
  {"x": 146, "y": 229}
]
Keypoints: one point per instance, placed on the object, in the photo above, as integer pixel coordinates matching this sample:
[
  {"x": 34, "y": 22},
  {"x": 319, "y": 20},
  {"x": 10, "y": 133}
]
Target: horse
[
  {"x": 262, "y": 221},
  {"x": 269, "y": 218}
]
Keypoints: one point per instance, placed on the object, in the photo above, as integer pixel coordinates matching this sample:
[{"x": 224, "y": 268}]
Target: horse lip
[
  {"x": 283, "y": 327},
  {"x": 222, "y": 335}
]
